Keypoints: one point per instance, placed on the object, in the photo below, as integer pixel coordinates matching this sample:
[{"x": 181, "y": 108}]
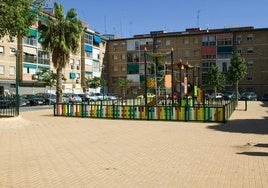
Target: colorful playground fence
[{"x": 204, "y": 113}]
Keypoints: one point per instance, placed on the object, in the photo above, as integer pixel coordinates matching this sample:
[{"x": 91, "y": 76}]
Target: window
[
  {"x": 123, "y": 69},
  {"x": 2, "y": 69},
  {"x": 239, "y": 51},
  {"x": 43, "y": 58},
  {"x": 1, "y": 49},
  {"x": 88, "y": 38},
  {"x": 195, "y": 40},
  {"x": 12, "y": 51},
  {"x": 250, "y": 50},
  {"x": 89, "y": 54},
  {"x": 78, "y": 62},
  {"x": 250, "y": 64},
  {"x": 123, "y": 56},
  {"x": 71, "y": 61},
  {"x": 96, "y": 66},
  {"x": 238, "y": 39},
  {"x": 168, "y": 42},
  {"x": 196, "y": 53},
  {"x": 12, "y": 70},
  {"x": 114, "y": 57},
  {"x": 186, "y": 53},
  {"x": 249, "y": 78},
  {"x": 115, "y": 46},
  {"x": 30, "y": 40},
  {"x": 115, "y": 69},
  {"x": 250, "y": 37},
  {"x": 185, "y": 41},
  {"x": 224, "y": 67},
  {"x": 123, "y": 46},
  {"x": 78, "y": 75}
]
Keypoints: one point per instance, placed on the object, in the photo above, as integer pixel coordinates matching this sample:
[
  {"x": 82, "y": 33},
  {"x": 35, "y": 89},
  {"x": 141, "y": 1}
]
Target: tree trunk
[
  {"x": 59, "y": 85},
  {"x": 236, "y": 92}
]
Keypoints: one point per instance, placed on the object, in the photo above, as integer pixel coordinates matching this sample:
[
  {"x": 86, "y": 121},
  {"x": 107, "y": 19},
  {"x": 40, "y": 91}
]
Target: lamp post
[
  {"x": 172, "y": 80},
  {"x": 145, "y": 76},
  {"x": 17, "y": 83}
]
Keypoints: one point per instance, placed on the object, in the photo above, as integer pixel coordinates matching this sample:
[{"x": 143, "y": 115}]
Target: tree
[
  {"x": 215, "y": 79},
  {"x": 123, "y": 83},
  {"x": 17, "y": 16},
  {"x": 46, "y": 77},
  {"x": 61, "y": 36},
  {"x": 237, "y": 71},
  {"x": 94, "y": 83}
]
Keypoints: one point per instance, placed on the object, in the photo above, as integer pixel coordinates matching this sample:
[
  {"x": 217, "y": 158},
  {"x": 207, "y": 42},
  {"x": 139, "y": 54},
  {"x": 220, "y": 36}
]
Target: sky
[{"x": 126, "y": 18}]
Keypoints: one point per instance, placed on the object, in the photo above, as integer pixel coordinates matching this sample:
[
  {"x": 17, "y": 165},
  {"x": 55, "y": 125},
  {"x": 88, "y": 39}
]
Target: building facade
[
  {"x": 85, "y": 64},
  {"x": 111, "y": 58},
  {"x": 199, "y": 48}
]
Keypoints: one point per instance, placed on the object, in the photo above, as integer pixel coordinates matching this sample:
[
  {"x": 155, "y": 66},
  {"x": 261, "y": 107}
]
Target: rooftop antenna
[
  {"x": 198, "y": 12},
  {"x": 105, "y": 24},
  {"x": 130, "y": 28}
]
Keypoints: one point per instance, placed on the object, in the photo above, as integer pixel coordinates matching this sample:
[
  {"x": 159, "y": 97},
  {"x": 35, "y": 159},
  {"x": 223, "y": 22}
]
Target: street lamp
[
  {"x": 145, "y": 75},
  {"x": 17, "y": 97},
  {"x": 172, "y": 80}
]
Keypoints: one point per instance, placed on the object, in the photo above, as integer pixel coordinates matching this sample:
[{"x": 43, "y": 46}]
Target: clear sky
[{"x": 126, "y": 18}]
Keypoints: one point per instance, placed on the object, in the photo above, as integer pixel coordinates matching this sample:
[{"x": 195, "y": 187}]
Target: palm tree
[{"x": 61, "y": 36}]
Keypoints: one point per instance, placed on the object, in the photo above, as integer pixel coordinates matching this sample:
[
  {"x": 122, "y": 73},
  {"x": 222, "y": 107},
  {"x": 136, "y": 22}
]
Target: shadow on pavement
[
  {"x": 254, "y": 153},
  {"x": 254, "y": 126}
]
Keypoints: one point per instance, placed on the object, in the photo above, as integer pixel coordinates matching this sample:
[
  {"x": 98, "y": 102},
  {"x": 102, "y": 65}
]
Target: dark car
[
  {"x": 265, "y": 97},
  {"x": 5, "y": 102},
  {"x": 49, "y": 98},
  {"x": 249, "y": 96},
  {"x": 34, "y": 99}
]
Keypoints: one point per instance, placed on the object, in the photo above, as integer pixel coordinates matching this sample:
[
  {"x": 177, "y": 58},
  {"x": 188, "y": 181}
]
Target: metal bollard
[{"x": 246, "y": 105}]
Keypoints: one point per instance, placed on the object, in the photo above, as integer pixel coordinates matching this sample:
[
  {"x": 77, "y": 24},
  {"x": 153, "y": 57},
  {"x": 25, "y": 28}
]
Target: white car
[{"x": 71, "y": 98}]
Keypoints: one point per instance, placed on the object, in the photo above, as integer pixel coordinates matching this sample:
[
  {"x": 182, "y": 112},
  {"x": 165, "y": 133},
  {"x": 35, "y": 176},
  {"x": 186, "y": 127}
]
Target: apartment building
[
  {"x": 199, "y": 48},
  {"x": 85, "y": 64}
]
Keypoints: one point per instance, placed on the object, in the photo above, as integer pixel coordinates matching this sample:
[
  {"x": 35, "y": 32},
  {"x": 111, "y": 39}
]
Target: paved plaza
[{"x": 40, "y": 150}]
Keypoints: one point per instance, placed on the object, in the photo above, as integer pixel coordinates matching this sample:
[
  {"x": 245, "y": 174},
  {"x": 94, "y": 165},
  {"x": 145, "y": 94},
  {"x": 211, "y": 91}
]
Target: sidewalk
[{"x": 39, "y": 150}]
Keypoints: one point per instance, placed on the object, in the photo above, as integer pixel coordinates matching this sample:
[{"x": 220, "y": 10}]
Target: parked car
[
  {"x": 230, "y": 95},
  {"x": 217, "y": 96},
  {"x": 24, "y": 102},
  {"x": 149, "y": 96},
  {"x": 71, "y": 98},
  {"x": 97, "y": 97},
  {"x": 5, "y": 102},
  {"x": 49, "y": 98},
  {"x": 265, "y": 97},
  {"x": 110, "y": 96},
  {"x": 34, "y": 99},
  {"x": 249, "y": 96}
]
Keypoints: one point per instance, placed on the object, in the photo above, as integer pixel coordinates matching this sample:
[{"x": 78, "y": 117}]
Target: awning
[
  {"x": 133, "y": 67},
  {"x": 72, "y": 75},
  {"x": 32, "y": 32},
  {"x": 97, "y": 39},
  {"x": 35, "y": 66},
  {"x": 30, "y": 65},
  {"x": 29, "y": 50},
  {"x": 88, "y": 48}
]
